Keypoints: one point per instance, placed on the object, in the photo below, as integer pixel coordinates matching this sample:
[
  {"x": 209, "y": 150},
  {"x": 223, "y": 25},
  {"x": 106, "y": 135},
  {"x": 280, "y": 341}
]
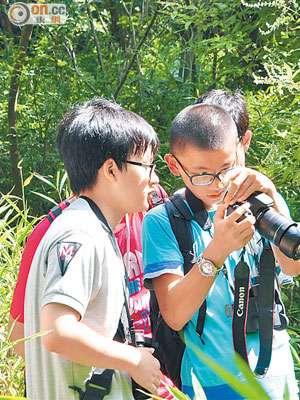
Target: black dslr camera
[
  {"x": 282, "y": 231},
  {"x": 140, "y": 341}
]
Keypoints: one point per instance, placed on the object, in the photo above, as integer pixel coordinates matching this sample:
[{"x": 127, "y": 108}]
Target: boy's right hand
[
  {"x": 147, "y": 372},
  {"x": 231, "y": 235}
]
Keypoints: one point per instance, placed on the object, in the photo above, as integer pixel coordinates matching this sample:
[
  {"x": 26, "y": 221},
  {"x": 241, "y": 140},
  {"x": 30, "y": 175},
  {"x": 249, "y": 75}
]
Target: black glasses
[
  {"x": 205, "y": 179},
  {"x": 151, "y": 166}
]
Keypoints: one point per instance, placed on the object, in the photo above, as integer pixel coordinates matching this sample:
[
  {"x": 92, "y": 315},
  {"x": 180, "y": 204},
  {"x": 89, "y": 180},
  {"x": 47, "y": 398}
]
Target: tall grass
[{"x": 15, "y": 226}]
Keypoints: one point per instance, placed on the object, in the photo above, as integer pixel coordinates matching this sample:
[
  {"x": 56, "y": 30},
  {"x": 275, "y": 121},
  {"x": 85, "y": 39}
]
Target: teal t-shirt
[{"x": 161, "y": 255}]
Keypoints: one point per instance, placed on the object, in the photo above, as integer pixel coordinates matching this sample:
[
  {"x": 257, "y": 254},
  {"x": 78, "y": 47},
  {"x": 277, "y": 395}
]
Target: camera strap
[
  {"x": 265, "y": 309},
  {"x": 240, "y": 307}
]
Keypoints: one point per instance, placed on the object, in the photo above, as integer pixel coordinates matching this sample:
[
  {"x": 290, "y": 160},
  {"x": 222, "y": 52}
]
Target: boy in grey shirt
[{"x": 76, "y": 286}]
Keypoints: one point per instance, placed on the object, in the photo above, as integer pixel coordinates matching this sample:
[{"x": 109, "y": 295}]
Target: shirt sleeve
[
  {"x": 73, "y": 273},
  {"x": 161, "y": 254}
]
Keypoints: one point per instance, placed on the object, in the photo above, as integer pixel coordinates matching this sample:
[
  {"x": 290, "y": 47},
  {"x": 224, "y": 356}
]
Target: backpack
[
  {"x": 33, "y": 240},
  {"x": 169, "y": 344}
]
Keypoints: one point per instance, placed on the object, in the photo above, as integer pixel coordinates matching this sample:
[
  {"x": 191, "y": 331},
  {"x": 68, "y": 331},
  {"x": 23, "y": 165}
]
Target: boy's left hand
[{"x": 246, "y": 181}]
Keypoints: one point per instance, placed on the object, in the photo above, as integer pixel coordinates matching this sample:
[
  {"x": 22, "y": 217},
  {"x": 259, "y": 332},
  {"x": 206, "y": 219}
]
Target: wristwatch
[{"x": 206, "y": 267}]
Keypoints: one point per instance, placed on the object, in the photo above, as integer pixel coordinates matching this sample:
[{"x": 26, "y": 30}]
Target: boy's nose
[
  {"x": 154, "y": 179},
  {"x": 220, "y": 182}
]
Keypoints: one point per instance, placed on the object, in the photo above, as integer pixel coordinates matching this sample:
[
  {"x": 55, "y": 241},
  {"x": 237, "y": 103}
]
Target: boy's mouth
[{"x": 216, "y": 195}]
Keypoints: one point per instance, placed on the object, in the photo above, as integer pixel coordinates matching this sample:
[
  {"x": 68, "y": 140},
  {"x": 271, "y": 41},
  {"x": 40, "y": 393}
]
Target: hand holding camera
[
  {"x": 228, "y": 235},
  {"x": 147, "y": 374}
]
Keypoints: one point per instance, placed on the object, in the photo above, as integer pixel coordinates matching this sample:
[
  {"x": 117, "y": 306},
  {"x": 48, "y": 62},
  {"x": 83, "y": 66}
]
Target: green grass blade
[
  {"x": 62, "y": 182},
  {"x": 177, "y": 393},
  {"x": 28, "y": 180},
  {"x": 151, "y": 396},
  {"x": 297, "y": 358},
  {"x": 248, "y": 374},
  {"x": 43, "y": 179},
  {"x": 12, "y": 344},
  {"x": 199, "y": 392},
  {"x": 44, "y": 197},
  {"x": 286, "y": 394},
  {"x": 245, "y": 389}
]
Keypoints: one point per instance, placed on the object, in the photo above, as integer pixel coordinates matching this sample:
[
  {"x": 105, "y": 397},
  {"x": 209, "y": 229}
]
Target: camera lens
[
  {"x": 282, "y": 231},
  {"x": 290, "y": 241}
]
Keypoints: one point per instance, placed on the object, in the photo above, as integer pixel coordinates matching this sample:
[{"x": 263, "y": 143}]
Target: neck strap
[{"x": 199, "y": 211}]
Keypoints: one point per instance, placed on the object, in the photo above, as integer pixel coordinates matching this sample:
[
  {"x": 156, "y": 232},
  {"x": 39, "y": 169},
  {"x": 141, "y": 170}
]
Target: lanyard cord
[
  {"x": 130, "y": 321},
  {"x": 125, "y": 282}
]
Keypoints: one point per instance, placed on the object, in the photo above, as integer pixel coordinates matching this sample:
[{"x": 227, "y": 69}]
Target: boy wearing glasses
[
  {"x": 76, "y": 287},
  {"x": 204, "y": 152}
]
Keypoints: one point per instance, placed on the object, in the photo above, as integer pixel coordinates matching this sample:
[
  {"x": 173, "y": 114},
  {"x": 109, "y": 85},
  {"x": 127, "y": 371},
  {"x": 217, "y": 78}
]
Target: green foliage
[
  {"x": 153, "y": 57},
  {"x": 190, "y": 47}
]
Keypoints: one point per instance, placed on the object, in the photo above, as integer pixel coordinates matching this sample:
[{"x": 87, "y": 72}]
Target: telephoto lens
[{"x": 272, "y": 225}]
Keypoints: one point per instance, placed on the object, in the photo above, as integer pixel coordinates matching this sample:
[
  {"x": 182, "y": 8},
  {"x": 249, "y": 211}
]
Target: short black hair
[
  {"x": 201, "y": 125},
  {"x": 100, "y": 129},
  {"x": 234, "y": 103}
]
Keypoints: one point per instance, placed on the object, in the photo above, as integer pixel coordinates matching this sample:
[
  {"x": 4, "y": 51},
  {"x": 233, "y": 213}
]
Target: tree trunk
[{"x": 12, "y": 109}]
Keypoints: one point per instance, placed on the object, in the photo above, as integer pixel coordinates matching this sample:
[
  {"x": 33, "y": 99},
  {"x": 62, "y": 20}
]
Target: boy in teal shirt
[{"x": 204, "y": 152}]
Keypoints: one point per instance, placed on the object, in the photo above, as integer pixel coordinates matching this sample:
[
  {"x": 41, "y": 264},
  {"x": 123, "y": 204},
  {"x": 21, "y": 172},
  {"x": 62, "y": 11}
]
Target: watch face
[{"x": 207, "y": 268}]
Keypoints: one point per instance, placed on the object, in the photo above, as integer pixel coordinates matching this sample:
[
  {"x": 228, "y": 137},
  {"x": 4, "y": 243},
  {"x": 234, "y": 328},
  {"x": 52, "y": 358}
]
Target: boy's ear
[
  {"x": 247, "y": 139},
  {"x": 109, "y": 169},
  {"x": 172, "y": 164}
]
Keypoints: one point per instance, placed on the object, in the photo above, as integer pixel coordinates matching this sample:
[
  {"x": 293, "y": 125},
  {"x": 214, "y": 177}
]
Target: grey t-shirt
[{"x": 77, "y": 264}]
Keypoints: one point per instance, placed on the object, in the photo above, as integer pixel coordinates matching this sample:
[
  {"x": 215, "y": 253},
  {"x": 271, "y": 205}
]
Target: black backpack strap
[
  {"x": 201, "y": 320},
  {"x": 54, "y": 213},
  {"x": 199, "y": 211},
  {"x": 171, "y": 347},
  {"x": 180, "y": 219},
  {"x": 97, "y": 387}
]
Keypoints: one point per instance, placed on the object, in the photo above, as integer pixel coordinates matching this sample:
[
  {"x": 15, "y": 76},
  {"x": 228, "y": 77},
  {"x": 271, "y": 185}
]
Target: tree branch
[
  {"x": 71, "y": 53},
  {"x": 125, "y": 74},
  {"x": 95, "y": 37},
  {"x": 12, "y": 108},
  {"x": 133, "y": 35}
]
